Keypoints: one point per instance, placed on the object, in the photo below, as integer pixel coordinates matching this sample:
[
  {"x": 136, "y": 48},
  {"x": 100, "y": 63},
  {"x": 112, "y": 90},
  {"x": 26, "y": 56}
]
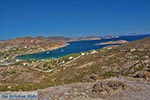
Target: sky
[{"x": 73, "y": 18}]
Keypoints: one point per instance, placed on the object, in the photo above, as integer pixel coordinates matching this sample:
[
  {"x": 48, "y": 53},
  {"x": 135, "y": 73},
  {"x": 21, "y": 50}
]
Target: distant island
[
  {"x": 113, "y": 42},
  {"x": 110, "y": 37},
  {"x": 89, "y": 38}
]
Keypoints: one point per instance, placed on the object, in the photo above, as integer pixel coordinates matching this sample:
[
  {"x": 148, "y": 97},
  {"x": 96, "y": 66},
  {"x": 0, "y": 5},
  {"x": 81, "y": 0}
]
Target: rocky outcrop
[
  {"x": 114, "y": 88},
  {"x": 105, "y": 88},
  {"x": 142, "y": 74}
]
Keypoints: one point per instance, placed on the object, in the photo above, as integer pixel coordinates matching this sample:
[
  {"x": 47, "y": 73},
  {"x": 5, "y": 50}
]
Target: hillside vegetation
[{"x": 130, "y": 59}]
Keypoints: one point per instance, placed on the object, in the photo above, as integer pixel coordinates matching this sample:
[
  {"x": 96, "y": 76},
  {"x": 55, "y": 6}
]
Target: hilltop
[{"x": 38, "y": 43}]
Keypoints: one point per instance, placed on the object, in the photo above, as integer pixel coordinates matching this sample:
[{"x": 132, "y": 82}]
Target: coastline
[
  {"x": 56, "y": 47},
  {"x": 113, "y": 42},
  {"x": 52, "y": 48}
]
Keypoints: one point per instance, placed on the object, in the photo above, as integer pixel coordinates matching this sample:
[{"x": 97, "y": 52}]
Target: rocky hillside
[
  {"x": 119, "y": 73},
  {"x": 20, "y": 46},
  {"x": 40, "y": 43},
  {"x": 131, "y": 59},
  {"x": 90, "y": 75},
  {"x": 110, "y": 89}
]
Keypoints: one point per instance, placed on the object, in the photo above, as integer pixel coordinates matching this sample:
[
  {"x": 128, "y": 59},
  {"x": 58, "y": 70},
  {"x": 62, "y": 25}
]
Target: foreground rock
[
  {"x": 106, "y": 88},
  {"x": 110, "y": 89}
]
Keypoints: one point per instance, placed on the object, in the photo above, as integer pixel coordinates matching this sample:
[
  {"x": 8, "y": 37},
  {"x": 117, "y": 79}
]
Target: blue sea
[{"x": 77, "y": 47}]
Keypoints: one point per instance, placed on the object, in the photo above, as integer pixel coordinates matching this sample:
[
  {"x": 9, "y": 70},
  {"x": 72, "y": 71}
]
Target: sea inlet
[{"x": 77, "y": 47}]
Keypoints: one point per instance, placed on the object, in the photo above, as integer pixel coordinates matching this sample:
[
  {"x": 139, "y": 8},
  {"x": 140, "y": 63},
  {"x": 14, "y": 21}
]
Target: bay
[{"x": 76, "y": 47}]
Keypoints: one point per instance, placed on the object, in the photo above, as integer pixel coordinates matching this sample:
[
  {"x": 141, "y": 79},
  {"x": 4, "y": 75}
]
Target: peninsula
[{"x": 113, "y": 42}]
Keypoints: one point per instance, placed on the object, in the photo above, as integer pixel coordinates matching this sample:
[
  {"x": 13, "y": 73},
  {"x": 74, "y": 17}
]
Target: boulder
[{"x": 108, "y": 87}]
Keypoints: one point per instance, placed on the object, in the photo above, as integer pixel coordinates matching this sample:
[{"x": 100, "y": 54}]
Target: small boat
[
  {"x": 47, "y": 52},
  {"x": 62, "y": 50}
]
